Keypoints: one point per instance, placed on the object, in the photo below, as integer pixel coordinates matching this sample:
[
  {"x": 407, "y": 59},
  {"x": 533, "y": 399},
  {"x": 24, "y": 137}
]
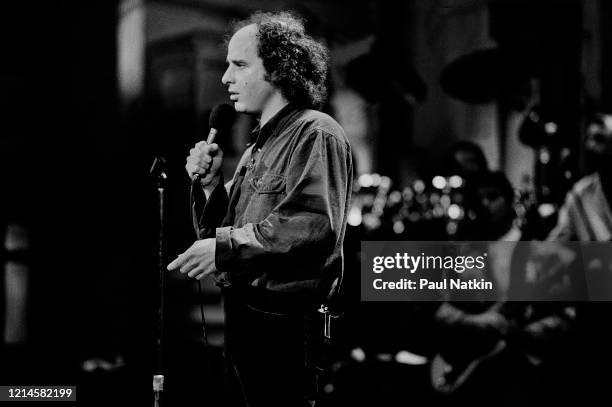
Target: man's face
[
  {"x": 467, "y": 162},
  {"x": 245, "y": 74},
  {"x": 493, "y": 205},
  {"x": 599, "y": 136}
]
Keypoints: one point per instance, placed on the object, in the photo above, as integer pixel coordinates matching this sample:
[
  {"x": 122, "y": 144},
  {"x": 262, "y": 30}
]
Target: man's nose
[{"x": 226, "y": 78}]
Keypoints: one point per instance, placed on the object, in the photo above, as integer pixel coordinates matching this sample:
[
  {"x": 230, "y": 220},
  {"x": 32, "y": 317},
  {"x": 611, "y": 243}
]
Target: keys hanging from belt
[{"x": 327, "y": 318}]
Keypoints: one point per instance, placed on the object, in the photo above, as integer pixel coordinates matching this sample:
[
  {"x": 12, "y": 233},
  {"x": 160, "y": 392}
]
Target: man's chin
[{"x": 240, "y": 108}]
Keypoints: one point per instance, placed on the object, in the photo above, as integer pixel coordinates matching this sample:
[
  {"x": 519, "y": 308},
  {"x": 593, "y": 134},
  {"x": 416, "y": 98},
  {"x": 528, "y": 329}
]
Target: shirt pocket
[
  {"x": 268, "y": 183},
  {"x": 266, "y": 191}
]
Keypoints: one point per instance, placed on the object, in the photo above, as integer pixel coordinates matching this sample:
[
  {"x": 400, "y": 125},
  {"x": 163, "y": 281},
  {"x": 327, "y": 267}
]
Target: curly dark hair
[{"x": 294, "y": 62}]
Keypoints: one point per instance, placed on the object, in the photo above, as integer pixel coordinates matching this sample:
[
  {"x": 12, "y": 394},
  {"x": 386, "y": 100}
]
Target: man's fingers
[
  {"x": 193, "y": 169},
  {"x": 203, "y": 274},
  {"x": 176, "y": 263},
  {"x": 198, "y": 270},
  {"x": 209, "y": 149},
  {"x": 180, "y": 261},
  {"x": 197, "y": 261},
  {"x": 203, "y": 164},
  {"x": 187, "y": 267},
  {"x": 208, "y": 178},
  {"x": 195, "y": 272},
  {"x": 196, "y": 165}
]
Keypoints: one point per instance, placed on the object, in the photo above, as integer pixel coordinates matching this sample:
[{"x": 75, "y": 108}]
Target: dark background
[{"x": 75, "y": 154}]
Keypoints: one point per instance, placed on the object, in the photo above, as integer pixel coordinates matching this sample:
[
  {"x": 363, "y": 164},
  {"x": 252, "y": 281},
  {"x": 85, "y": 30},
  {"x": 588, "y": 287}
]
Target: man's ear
[{"x": 270, "y": 77}]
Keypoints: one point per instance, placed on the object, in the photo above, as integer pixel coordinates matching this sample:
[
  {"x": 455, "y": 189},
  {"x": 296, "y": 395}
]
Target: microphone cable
[{"x": 196, "y": 229}]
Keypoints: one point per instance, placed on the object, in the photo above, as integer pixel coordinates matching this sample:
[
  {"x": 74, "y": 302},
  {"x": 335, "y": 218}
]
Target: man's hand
[
  {"x": 198, "y": 261},
  {"x": 489, "y": 320},
  {"x": 204, "y": 159}
]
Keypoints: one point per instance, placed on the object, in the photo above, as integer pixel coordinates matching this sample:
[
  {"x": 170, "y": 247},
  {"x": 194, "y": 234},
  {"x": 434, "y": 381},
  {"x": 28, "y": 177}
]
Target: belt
[{"x": 265, "y": 300}]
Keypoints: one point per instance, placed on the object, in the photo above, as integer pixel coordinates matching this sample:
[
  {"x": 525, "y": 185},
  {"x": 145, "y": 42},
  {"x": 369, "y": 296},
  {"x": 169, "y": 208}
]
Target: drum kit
[{"x": 437, "y": 208}]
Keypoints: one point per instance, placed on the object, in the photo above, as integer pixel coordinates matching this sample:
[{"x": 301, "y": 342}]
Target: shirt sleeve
[
  {"x": 306, "y": 226},
  {"x": 207, "y": 214}
]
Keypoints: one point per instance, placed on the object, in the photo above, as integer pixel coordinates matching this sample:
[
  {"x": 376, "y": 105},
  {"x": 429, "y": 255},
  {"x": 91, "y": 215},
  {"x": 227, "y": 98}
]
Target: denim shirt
[{"x": 282, "y": 224}]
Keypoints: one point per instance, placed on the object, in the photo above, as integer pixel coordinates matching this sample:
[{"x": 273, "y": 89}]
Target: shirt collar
[{"x": 259, "y": 135}]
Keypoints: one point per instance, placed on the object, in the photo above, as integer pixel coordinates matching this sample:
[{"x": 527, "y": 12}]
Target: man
[
  {"x": 272, "y": 238},
  {"x": 466, "y": 159},
  {"x": 586, "y": 214},
  {"x": 473, "y": 364},
  {"x": 494, "y": 347}
]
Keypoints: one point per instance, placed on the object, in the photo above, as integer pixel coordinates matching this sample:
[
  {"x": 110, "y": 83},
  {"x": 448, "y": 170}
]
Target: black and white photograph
[{"x": 306, "y": 203}]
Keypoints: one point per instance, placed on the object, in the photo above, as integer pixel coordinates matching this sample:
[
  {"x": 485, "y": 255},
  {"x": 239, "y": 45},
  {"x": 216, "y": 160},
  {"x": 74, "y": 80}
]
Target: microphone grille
[{"x": 221, "y": 117}]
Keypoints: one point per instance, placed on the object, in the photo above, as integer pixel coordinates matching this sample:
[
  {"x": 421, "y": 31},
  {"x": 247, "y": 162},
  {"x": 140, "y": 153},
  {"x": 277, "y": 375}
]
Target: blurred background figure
[
  {"x": 502, "y": 350},
  {"x": 432, "y": 95},
  {"x": 586, "y": 214},
  {"x": 495, "y": 199},
  {"x": 466, "y": 159},
  {"x": 474, "y": 364}
]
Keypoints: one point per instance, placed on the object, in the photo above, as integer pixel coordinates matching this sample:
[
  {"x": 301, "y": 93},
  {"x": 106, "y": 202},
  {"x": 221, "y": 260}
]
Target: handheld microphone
[{"x": 220, "y": 120}]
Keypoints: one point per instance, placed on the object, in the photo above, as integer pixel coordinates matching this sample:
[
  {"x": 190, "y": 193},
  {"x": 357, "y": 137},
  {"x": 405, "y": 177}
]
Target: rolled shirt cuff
[{"x": 223, "y": 249}]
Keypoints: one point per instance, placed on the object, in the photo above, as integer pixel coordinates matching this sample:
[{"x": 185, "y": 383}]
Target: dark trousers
[{"x": 269, "y": 357}]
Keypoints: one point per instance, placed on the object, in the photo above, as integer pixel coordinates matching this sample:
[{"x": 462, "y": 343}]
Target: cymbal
[
  {"x": 371, "y": 77},
  {"x": 485, "y": 75}
]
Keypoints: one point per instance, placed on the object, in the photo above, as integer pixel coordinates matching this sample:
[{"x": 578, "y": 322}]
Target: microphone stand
[{"x": 158, "y": 170}]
